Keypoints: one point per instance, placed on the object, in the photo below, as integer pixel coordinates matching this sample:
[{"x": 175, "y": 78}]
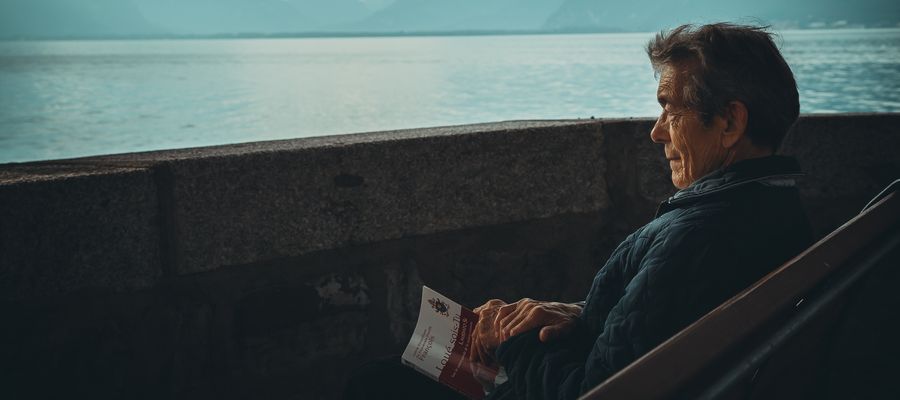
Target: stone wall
[{"x": 268, "y": 270}]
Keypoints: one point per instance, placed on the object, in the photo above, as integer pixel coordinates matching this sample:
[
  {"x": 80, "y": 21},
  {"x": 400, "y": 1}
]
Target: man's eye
[{"x": 676, "y": 113}]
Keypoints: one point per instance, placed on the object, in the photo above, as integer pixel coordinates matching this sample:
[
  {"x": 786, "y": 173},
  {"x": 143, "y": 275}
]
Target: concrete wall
[{"x": 268, "y": 270}]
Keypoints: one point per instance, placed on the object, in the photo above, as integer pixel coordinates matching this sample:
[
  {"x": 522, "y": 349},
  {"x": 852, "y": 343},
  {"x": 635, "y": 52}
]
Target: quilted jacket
[{"x": 706, "y": 243}]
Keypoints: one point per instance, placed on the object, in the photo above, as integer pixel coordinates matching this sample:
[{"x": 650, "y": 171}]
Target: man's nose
[{"x": 659, "y": 133}]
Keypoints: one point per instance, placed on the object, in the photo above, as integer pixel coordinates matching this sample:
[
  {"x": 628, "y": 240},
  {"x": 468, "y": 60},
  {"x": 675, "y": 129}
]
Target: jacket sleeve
[{"x": 664, "y": 296}]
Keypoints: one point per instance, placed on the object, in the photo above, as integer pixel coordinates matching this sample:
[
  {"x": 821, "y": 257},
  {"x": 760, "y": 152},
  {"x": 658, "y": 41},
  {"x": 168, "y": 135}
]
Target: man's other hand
[
  {"x": 554, "y": 319},
  {"x": 484, "y": 338}
]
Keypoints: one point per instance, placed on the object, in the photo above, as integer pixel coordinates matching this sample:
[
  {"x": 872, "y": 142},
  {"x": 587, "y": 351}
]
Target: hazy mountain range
[
  {"x": 651, "y": 15},
  {"x": 65, "y": 18},
  {"x": 455, "y": 15}
]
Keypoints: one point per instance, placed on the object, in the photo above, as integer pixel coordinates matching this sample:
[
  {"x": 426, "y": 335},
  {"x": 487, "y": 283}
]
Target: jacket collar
[{"x": 771, "y": 170}]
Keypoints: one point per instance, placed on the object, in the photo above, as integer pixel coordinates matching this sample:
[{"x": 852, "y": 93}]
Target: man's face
[{"x": 692, "y": 148}]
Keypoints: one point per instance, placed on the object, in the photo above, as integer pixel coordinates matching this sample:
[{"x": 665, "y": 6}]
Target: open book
[{"x": 439, "y": 347}]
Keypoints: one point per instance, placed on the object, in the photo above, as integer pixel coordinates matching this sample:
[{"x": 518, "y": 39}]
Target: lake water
[{"x": 61, "y": 99}]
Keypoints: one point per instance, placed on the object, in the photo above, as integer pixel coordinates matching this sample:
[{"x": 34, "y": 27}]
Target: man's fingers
[
  {"x": 492, "y": 303},
  {"x": 522, "y": 314},
  {"x": 484, "y": 355},
  {"x": 501, "y": 314},
  {"x": 508, "y": 321},
  {"x": 549, "y": 333},
  {"x": 553, "y": 332},
  {"x": 528, "y": 321},
  {"x": 476, "y": 354},
  {"x": 514, "y": 312}
]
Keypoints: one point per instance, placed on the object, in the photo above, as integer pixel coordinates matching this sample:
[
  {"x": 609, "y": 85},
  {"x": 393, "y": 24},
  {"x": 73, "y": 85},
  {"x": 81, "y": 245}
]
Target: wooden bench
[{"x": 792, "y": 333}]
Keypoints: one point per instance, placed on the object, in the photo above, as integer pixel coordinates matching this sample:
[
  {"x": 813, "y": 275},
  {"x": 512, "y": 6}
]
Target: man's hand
[
  {"x": 554, "y": 319},
  {"x": 484, "y": 338}
]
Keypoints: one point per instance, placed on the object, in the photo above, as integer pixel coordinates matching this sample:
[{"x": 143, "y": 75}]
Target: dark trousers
[{"x": 389, "y": 379}]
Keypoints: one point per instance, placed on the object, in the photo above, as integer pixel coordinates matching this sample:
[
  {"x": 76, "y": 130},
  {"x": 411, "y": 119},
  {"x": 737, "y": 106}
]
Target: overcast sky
[{"x": 48, "y": 18}]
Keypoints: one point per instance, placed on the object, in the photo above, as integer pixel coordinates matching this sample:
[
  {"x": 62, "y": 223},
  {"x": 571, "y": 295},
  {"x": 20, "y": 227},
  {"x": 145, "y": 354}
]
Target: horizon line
[{"x": 351, "y": 34}]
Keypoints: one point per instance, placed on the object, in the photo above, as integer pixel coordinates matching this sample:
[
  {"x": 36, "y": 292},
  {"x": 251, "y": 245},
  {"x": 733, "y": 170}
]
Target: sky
[{"x": 74, "y": 18}]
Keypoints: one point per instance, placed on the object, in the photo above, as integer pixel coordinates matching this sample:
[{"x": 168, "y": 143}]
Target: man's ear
[{"x": 736, "y": 123}]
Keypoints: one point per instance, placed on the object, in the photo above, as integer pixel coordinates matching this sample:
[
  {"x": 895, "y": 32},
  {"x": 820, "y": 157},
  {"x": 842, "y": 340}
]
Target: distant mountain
[
  {"x": 459, "y": 15},
  {"x": 64, "y": 18},
  {"x": 325, "y": 14},
  {"x": 651, "y": 15},
  {"x": 55, "y": 18},
  {"x": 223, "y": 16},
  {"x": 60, "y": 18}
]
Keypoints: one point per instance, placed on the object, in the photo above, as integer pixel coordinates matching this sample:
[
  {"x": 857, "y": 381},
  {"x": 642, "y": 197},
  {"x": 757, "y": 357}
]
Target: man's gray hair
[{"x": 725, "y": 63}]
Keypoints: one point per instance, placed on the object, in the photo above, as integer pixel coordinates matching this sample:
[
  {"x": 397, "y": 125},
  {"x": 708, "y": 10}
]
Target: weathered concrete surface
[
  {"x": 847, "y": 159},
  {"x": 284, "y": 264},
  {"x": 637, "y": 173},
  {"x": 65, "y": 228},
  {"x": 239, "y": 204}
]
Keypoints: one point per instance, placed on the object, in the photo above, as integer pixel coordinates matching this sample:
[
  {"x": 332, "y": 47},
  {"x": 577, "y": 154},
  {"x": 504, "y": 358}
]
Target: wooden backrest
[{"x": 668, "y": 368}]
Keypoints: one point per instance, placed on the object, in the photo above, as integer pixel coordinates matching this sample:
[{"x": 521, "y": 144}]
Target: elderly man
[{"x": 727, "y": 98}]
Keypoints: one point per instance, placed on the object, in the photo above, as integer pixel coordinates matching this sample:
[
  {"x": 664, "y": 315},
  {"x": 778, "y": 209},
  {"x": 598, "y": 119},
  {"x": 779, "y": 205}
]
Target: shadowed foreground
[{"x": 269, "y": 270}]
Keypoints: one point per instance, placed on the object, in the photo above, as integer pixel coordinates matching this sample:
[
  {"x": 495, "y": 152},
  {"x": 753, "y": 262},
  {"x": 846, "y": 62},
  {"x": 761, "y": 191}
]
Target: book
[{"x": 439, "y": 347}]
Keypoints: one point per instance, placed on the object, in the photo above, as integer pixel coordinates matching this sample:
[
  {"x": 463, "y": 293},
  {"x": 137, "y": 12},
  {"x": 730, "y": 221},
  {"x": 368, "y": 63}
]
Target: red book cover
[{"x": 439, "y": 347}]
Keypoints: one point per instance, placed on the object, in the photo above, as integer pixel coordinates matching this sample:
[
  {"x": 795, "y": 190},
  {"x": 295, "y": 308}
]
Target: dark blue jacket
[{"x": 706, "y": 243}]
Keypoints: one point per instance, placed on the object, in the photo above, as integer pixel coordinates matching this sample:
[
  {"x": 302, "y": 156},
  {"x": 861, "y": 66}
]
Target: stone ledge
[
  {"x": 847, "y": 158},
  {"x": 122, "y": 221},
  {"x": 144, "y": 159},
  {"x": 72, "y": 227},
  {"x": 253, "y": 206},
  {"x": 50, "y": 171},
  {"x": 243, "y": 203}
]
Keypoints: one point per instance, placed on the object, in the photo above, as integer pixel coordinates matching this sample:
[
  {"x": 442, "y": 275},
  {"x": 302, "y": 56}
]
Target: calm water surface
[{"x": 61, "y": 99}]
